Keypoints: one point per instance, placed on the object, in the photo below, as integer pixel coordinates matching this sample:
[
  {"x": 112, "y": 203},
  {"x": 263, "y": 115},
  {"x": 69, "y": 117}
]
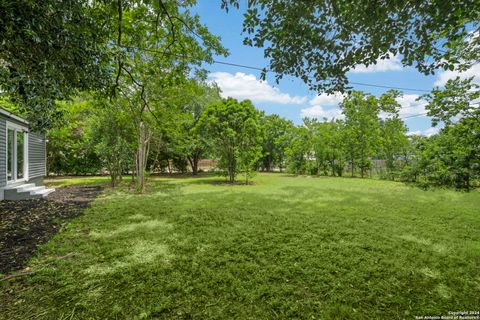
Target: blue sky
[{"x": 291, "y": 98}]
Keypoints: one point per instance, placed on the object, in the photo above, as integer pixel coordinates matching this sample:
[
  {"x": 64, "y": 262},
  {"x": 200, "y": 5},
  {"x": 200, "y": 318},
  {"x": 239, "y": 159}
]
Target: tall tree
[
  {"x": 112, "y": 138},
  {"x": 393, "y": 142},
  {"x": 299, "y": 153},
  {"x": 329, "y": 146},
  {"x": 48, "y": 50},
  {"x": 69, "y": 147},
  {"x": 361, "y": 129},
  {"x": 457, "y": 106},
  {"x": 275, "y": 141},
  {"x": 234, "y": 130},
  {"x": 196, "y": 96},
  {"x": 159, "y": 43},
  {"x": 458, "y": 99}
]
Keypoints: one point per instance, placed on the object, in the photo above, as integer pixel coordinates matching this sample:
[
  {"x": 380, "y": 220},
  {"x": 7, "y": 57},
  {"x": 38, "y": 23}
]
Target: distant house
[{"x": 22, "y": 159}]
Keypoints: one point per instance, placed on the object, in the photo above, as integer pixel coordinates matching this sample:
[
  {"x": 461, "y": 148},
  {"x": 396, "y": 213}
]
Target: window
[{"x": 16, "y": 153}]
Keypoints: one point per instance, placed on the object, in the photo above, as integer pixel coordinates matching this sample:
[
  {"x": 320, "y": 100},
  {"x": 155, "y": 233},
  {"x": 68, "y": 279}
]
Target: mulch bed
[{"x": 26, "y": 224}]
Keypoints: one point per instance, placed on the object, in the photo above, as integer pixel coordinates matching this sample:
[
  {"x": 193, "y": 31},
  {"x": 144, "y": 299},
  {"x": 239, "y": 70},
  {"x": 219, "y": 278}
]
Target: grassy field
[{"x": 285, "y": 247}]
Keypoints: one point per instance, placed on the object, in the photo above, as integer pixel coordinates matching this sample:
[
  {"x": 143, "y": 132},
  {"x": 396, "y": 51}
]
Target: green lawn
[
  {"x": 70, "y": 181},
  {"x": 285, "y": 247}
]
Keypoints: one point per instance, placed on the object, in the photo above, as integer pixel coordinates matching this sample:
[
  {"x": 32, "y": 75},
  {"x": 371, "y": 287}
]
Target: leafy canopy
[
  {"x": 234, "y": 131},
  {"x": 457, "y": 99},
  {"x": 49, "y": 49},
  {"x": 320, "y": 41}
]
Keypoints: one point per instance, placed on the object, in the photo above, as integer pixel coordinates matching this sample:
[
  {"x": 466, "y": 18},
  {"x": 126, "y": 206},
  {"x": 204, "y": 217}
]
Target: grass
[
  {"x": 285, "y": 247},
  {"x": 70, "y": 181}
]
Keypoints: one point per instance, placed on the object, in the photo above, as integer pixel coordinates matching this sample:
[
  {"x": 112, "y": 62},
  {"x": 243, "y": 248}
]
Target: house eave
[{"x": 12, "y": 116}]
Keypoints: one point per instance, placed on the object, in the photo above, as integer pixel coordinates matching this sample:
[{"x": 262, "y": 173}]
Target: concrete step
[
  {"x": 19, "y": 186},
  {"x": 26, "y": 191},
  {"x": 43, "y": 193},
  {"x": 30, "y": 189}
]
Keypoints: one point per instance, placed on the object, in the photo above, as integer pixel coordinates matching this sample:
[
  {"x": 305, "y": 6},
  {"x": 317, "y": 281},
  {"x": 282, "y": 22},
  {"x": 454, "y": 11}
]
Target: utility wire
[
  {"x": 388, "y": 87},
  {"x": 260, "y": 69},
  {"x": 266, "y": 70},
  {"x": 426, "y": 113},
  {"x": 414, "y": 115},
  {"x": 350, "y": 82},
  {"x": 232, "y": 64}
]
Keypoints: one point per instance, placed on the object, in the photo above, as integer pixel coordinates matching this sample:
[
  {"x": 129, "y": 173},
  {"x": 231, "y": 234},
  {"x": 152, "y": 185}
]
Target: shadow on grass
[
  {"x": 183, "y": 175},
  {"x": 221, "y": 182}
]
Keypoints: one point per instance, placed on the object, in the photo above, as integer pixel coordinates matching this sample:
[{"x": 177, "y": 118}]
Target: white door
[{"x": 17, "y": 153}]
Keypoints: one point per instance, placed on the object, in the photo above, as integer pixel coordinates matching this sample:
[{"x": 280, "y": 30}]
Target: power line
[
  {"x": 388, "y": 87},
  {"x": 426, "y": 113},
  {"x": 415, "y": 115},
  {"x": 350, "y": 82},
  {"x": 239, "y": 65},
  {"x": 232, "y": 64},
  {"x": 266, "y": 70},
  {"x": 269, "y": 71}
]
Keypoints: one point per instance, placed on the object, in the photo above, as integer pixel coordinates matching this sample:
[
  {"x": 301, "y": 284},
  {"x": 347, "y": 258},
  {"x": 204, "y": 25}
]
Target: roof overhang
[{"x": 12, "y": 116}]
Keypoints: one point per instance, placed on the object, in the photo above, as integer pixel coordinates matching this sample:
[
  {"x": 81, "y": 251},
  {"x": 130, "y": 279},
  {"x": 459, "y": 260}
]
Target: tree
[
  {"x": 392, "y": 131},
  {"x": 69, "y": 147},
  {"x": 456, "y": 99},
  {"x": 336, "y": 147},
  {"x": 196, "y": 95},
  {"x": 275, "y": 141},
  {"x": 50, "y": 49},
  {"x": 455, "y": 149},
  {"x": 159, "y": 43},
  {"x": 321, "y": 41},
  {"x": 112, "y": 134},
  {"x": 233, "y": 128},
  {"x": 299, "y": 153},
  {"x": 415, "y": 161},
  {"x": 329, "y": 146},
  {"x": 458, "y": 153},
  {"x": 393, "y": 142},
  {"x": 361, "y": 129}
]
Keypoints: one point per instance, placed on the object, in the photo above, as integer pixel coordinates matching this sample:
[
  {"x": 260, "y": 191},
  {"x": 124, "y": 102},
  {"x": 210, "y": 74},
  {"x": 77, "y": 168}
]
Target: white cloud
[
  {"x": 444, "y": 76},
  {"x": 410, "y": 105},
  {"x": 317, "y": 112},
  {"x": 324, "y": 106},
  {"x": 246, "y": 86},
  {"x": 392, "y": 64},
  {"x": 327, "y": 106},
  {"x": 327, "y": 99},
  {"x": 427, "y": 132}
]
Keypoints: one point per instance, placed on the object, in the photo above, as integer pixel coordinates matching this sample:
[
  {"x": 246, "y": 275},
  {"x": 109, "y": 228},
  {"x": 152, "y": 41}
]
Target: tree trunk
[
  {"x": 194, "y": 159},
  {"x": 195, "y": 165},
  {"x": 362, "y": 165},
  {"x": 231, "y": 169},
  {"x": 113, "y": 180},
  {"x": 156, "y": 161},
  {"x": 141, "y": 156},
  {"x": 268, "y": 166}
]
